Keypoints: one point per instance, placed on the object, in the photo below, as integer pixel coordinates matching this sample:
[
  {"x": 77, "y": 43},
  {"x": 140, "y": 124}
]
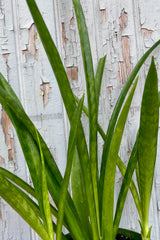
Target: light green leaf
[
  {"x": 71, "y": 148},
  {"x": 85, "y": 110},
  {"x": 18, "y": 181},
  {"x": 115, "y": 114},
  {"x": 24, "y": 206},
  {"x": 98, "y": 77},
  {"x": 70, "y": 105},
  {"x": 132, "y": 186},
  {"x": 109, "y": 179},
  {"x": 20, "y": 122},
  {"x": 45, "y": 197},
  {"x": 124, "y": 190},
  {"x": 92, "y": 110},
  {"x": 147, "y": 143},
  {"x": 20, "y": 119},
  {"x": 25, "y": 186}
]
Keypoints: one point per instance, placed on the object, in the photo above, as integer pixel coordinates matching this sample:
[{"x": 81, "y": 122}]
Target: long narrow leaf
[
  {"x": 132, "y": 186},
  {"x": 120, "y": 165},
  {"x": 70, "y": 153},
  {"x": 6, "y": 174},
  {"x": 18, "y": 181},
  {"x": 92, "y": 109},
  {"x": 18, "y": 118},
  {"x": 147, "y": 144},
  {"x": 98, "y": 77},
  {"x": 85, "y": 110},
  {"x": 115, "y": 114},
  {"x": 109, "y": 180},
  {"x": 27, "y": 188},
  {"x": 69, "y": 103},
  {"x": 12, "y": 98},
  {"x": 17, "y": 200},
  {"x": 78, "y": 193},
  {"x": 124, "y": 188},
  {"x": 45, "y": 197}
]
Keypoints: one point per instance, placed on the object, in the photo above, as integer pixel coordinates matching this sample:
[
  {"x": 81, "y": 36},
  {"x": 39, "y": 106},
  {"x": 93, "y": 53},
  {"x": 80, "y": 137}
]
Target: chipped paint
[
  {"x": 2, "y": 160},
  {"x": 72, "y": 21},
  {"x": 46, "y": 89},
  {"x": 109, "y": 89},
  {"x": 5, "y": 56},
  {"x": 103, "y": 14},
  {"x": 123, "y": 19},
  {"x": 31, "y": 43},
  {"x": 72, "y": 73},
  {"x": 8, "y": 132},
  {"x": 132, "y": 111},
  {"x": 146, "y": 32},
  {"x": 64, "y": 33},
  {"x": 125, "y": 66}
]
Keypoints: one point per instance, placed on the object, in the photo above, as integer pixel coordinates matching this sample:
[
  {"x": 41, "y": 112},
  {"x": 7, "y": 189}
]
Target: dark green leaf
[
  {"x": 78, "y": 193},
  {"x": 129, "y": 234}
]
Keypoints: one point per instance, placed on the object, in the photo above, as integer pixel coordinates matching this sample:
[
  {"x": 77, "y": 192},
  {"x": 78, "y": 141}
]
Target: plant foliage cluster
[{"x": 88, "y": 212}]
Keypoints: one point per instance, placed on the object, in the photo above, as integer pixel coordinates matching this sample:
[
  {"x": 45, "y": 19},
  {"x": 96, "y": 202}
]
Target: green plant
[{"x": 88, "y": 212}]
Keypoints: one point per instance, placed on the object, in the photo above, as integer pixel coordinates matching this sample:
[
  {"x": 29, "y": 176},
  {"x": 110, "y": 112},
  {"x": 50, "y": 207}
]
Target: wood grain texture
[{"x": 123, "y": 30}]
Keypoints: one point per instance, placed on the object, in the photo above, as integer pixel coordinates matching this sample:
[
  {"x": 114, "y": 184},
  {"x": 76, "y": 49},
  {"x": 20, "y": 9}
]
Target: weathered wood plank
[
  {"x": 25, "y": 65},
  {"x": 123, "y": 30}
]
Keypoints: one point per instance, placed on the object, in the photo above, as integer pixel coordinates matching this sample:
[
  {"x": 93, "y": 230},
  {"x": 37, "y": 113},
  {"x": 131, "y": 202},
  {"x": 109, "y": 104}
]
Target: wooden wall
[{"x": 123, "y": 30}]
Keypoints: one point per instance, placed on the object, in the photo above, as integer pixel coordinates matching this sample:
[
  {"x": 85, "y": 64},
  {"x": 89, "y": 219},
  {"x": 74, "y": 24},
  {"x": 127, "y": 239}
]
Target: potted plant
[{"x": 88, "y": 211}]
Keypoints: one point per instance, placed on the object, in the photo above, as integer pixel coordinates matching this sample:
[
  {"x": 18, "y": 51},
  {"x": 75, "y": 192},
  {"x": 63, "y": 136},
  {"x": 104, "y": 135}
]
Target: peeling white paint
[{"x": 25, "y": 65}]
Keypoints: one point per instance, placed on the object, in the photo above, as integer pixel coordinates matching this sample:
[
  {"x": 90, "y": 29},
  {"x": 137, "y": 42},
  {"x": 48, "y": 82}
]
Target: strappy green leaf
[
  {"x": 45, "y": 197},
  {"x": 71, "y": 148},
  {"x": 21, "y": 203},
  {"x": 147, "y": 144},
  {"x": 115, "y": 114},
  {"x": 92, "y": 109},
  {"x": 109, "y": 180}
]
